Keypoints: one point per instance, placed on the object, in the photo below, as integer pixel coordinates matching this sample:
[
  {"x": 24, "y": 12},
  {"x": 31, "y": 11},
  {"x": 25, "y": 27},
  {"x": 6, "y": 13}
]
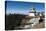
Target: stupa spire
[{"x": 33, "y": 8}]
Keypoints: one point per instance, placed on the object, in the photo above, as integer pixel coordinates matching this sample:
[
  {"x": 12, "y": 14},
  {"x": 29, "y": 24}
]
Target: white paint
[{"x": 31, "y": 14}]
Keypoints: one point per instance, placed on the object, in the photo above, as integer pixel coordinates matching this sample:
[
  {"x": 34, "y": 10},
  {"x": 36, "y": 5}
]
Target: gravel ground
[{"x": 41, "y": 25}]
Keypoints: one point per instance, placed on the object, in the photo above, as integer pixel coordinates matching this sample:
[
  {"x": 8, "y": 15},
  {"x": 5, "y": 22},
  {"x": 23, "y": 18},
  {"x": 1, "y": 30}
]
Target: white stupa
[{"x": 32, "y": 12}]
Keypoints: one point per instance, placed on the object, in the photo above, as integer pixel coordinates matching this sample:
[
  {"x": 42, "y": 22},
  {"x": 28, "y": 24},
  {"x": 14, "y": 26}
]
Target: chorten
[{"x": 32, "y": 12}]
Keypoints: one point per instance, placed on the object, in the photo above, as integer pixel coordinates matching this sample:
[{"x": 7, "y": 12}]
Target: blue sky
[{"x": 23, "y": 7}]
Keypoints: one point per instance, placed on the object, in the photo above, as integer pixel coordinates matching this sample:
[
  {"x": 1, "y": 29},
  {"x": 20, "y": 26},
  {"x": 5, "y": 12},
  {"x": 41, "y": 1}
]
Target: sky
[{"x": 23, "y": 7}]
